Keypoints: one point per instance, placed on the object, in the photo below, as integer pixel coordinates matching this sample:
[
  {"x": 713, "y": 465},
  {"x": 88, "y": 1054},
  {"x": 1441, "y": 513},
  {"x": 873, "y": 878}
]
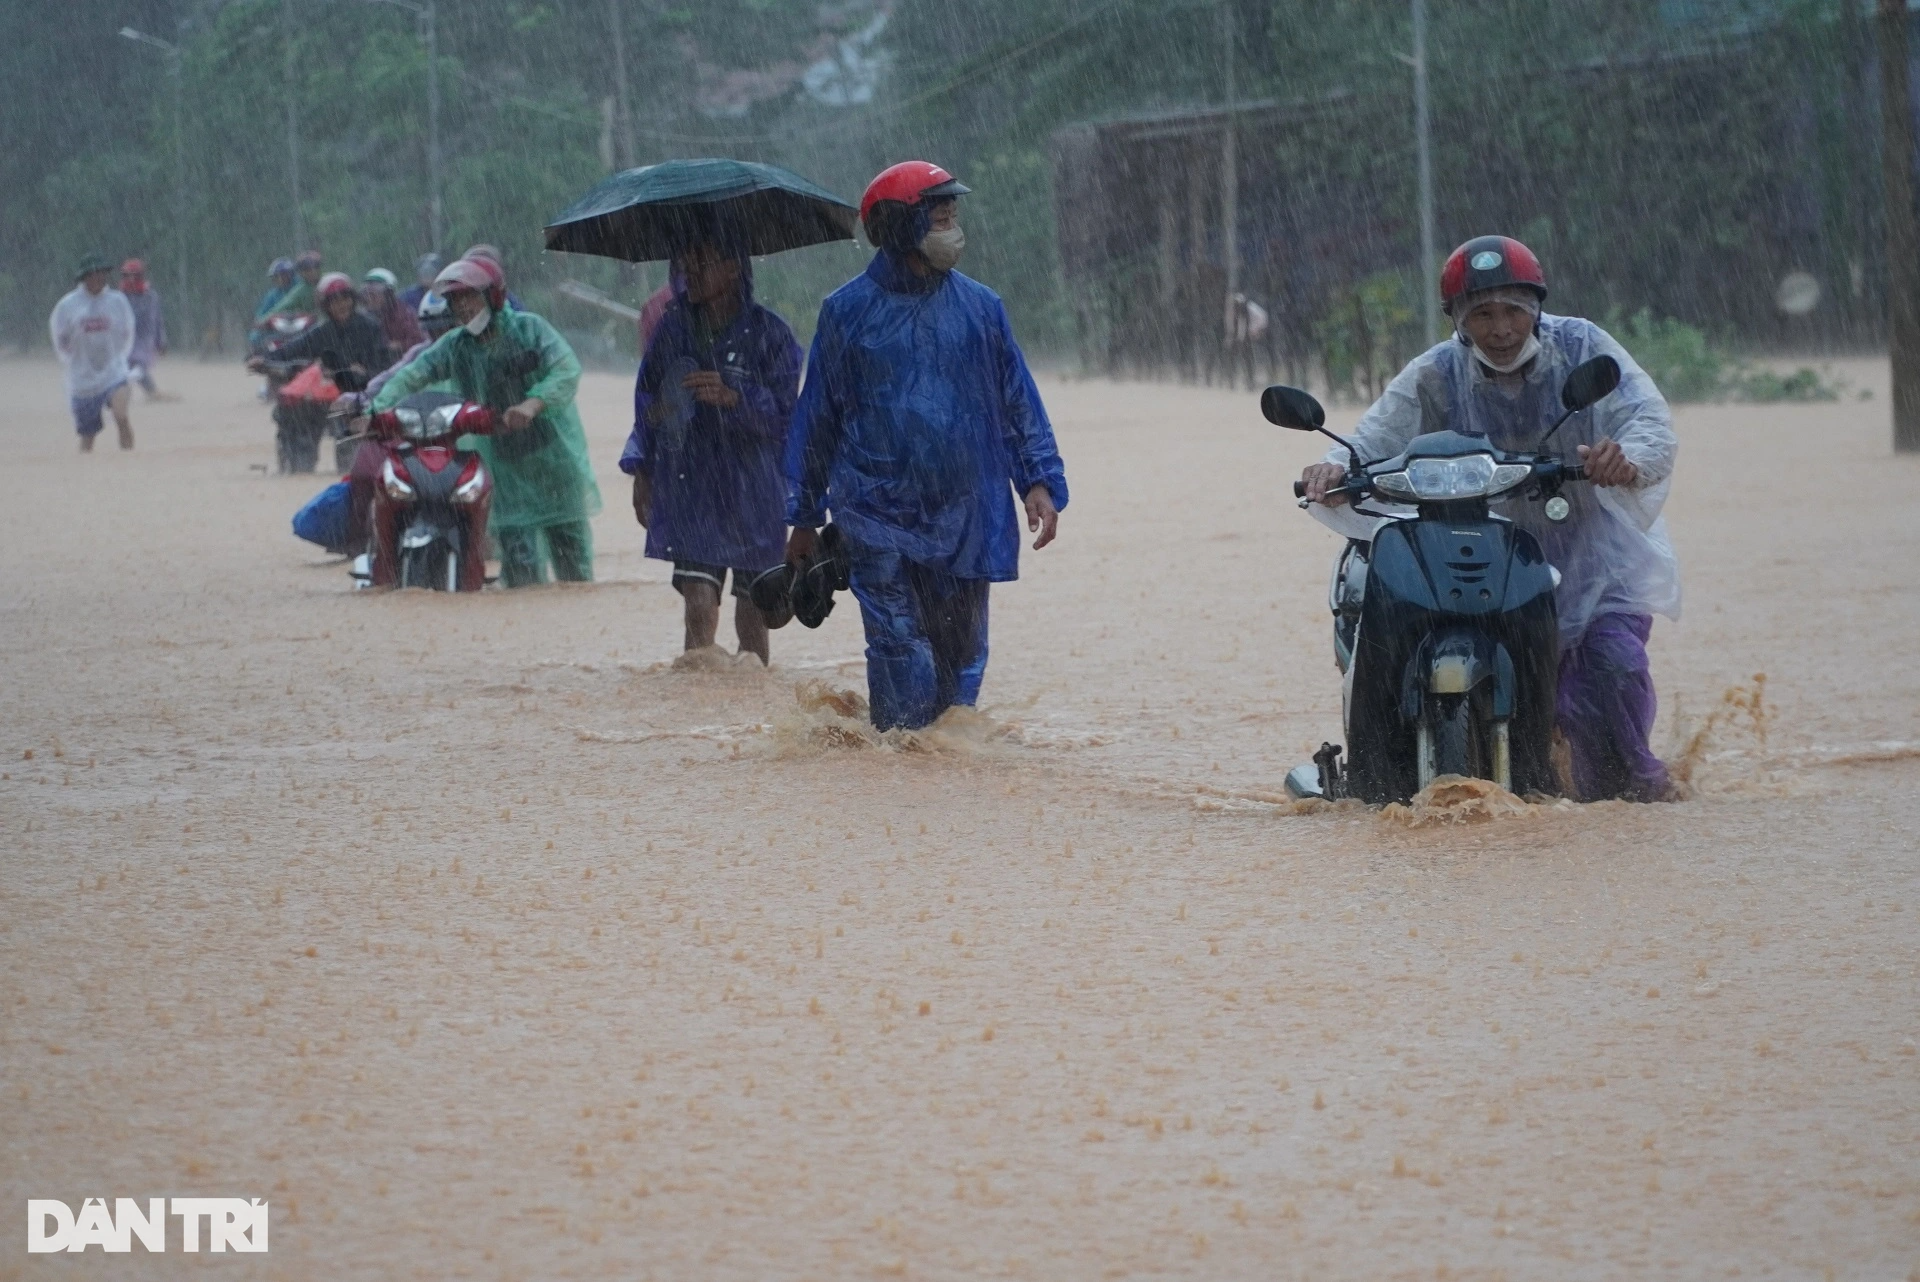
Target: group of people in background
[
  {"x": 108, "y": 338},
  {"x": 920, "y": 430}
]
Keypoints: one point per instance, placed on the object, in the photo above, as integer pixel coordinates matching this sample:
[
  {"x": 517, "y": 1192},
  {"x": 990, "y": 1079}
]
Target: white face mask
[
  {"x": 481, "y": 319},
  {"x": 942, "y": 249},
  {"x": 1528, "y": 350}
]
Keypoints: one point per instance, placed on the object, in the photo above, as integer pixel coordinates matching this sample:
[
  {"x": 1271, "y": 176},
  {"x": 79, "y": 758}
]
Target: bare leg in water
[
  {"x": 122, "y": 419},
  {"x": 703, "y": 620},
  {"x": 751, "y": 627}
]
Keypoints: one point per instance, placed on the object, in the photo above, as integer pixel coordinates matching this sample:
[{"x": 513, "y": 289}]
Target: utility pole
[
  {"x": 1230, "y": 157},
  {"x": 623, "y": 107},
  {"x": 430, "y": 36},
  {"x": 1903, "y": 227},
  {"x": 436, "y": 215},
  {"x": 631, "y": 274},
  {"x": 1423, "y": 141},
  {"x": 175, "y": 56},
  {"x": 290, "y": 90}
]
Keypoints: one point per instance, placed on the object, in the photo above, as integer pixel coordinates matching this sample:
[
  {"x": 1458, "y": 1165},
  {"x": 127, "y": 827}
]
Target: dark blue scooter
[{"x": 1444, "y": 625}]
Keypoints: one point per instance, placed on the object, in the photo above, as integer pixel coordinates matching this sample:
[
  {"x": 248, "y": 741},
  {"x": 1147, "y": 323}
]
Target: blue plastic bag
[{"x": 324, "y": 519}]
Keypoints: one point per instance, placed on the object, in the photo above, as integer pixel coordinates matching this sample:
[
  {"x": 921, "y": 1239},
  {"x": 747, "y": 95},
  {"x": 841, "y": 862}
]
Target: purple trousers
[{"x": 1606, "y": 708}]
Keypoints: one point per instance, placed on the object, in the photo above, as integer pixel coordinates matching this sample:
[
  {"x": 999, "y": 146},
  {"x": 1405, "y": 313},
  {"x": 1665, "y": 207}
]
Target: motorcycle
[
  {"x": 1445, "y": 629},
  {"x": 283, "y": 327},
  {"x": 430, "y": 503},
  {"x": 302, "y": 395}
]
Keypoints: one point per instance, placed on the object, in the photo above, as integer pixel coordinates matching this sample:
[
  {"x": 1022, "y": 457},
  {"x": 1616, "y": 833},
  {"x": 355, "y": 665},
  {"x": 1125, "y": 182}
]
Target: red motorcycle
[{"x": 430, "y": 499}]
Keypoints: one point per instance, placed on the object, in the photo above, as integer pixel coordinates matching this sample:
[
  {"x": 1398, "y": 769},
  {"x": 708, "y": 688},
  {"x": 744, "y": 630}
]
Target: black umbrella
[{"x": 647, "y": 213}]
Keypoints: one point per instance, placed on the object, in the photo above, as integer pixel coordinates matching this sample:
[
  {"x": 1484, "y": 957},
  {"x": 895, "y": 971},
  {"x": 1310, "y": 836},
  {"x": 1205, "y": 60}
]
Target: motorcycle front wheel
[
  {"x": 1457, "y": 738},
  {"x": 435, "y": 566}
]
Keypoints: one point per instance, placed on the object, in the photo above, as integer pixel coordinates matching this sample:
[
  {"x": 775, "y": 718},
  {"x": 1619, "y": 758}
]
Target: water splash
[{"x": 1453, "y": 799}]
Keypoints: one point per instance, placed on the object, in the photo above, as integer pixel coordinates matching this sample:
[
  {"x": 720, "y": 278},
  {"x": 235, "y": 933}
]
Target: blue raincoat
[
  {"x": 918, "y": 424},
  {"x": 718, "y": 495}
]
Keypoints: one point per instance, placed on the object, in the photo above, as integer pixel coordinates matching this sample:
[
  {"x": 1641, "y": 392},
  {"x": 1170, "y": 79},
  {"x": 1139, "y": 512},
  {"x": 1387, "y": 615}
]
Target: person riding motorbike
[
  {"x": 517, "y": 365},
  {"x": 380, "y": 295},
  {"x": 302, "y": 294},
  {"x": 347, "y": 333},
  {"x": 425, "y": 268},
  {"x": 280, "y": 274},
  {"x": 1499, "y": 376}
]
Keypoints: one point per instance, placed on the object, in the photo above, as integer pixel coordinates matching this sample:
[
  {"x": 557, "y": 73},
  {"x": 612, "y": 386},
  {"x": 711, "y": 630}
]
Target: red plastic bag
[{"x": 310, "y": 384}]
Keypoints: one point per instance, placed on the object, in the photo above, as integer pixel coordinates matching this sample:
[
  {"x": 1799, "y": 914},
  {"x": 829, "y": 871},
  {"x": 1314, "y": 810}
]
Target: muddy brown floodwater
[{"x": 485, "y": 945}]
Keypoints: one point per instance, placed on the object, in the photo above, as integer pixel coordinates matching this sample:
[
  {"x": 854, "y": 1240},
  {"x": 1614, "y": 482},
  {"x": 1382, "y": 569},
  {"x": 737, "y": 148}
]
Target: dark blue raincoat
[
  {"x": 918, "y": 425},
  {"x": 718, "y": 495},
  {"x": 919, "y": 422}
]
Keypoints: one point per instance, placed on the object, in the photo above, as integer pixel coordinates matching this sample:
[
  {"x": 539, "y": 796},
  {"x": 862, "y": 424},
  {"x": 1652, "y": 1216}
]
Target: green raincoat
[
  {"x": 542, "y": 475},
  {"x": 298, "y": 298}
]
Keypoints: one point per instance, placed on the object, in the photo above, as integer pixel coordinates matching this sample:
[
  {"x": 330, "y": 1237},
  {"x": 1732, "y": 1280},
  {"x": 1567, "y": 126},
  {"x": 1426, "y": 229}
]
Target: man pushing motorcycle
[
  {"x": 518, "y": 366},
  {"x": 1500, "y": 376}
]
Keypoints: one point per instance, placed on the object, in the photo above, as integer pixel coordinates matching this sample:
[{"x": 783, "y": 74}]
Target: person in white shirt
[{"x": 93, "y": 335}]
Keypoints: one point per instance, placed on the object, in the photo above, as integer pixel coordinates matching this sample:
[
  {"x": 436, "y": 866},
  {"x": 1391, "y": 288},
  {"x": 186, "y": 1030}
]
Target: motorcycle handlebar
[{"x": 1566, "y": 472}]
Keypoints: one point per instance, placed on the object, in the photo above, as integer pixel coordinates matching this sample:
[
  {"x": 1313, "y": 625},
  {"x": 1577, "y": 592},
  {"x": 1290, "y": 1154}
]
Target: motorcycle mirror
[
  {"x": 1590, "y": 382},
  {"x": 1291, "y": 407}
]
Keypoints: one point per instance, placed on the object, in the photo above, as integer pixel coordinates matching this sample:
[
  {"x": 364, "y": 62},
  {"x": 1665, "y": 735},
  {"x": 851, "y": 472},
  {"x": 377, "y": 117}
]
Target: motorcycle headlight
[
  {"x": 473, "y": 483},
  {"x": 1463, "y": 476},
  {"x": 397, "y": 490},
  {"x": 440, "y": 421}
]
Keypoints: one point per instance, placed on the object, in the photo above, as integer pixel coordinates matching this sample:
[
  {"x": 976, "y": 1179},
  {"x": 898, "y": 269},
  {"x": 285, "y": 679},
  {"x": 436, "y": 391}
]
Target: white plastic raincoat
[
  {"x": 93, "y": 335},
  {"x": 1612, "y": 551}
]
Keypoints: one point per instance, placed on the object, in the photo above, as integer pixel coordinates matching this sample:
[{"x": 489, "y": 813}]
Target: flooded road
[{"x": 484, "y": 944}]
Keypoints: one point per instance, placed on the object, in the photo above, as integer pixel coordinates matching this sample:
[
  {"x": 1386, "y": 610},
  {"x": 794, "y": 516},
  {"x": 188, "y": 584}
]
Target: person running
[
  {"x": 149, "y": 326},
  {"x": 92, "y": 329},
  {"x": 918, "y": 425},
  {"x": 517, "y": 365},
  {"x": 710, "y": 410}
]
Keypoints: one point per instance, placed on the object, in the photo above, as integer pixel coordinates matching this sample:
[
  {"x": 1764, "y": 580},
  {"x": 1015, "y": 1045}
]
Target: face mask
[
  {"x": 481, "y": 319},
  {"x": 1528, "y": 350},
  {"x": 942, "y": 249}
]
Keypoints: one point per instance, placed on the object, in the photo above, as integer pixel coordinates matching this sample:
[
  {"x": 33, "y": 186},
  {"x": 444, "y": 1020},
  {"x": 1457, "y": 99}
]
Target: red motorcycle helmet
[
  {"x": 333, "y": 283},
  {"x": 1488, "y": 262},
  {"x": 896, "y": 191},
  {"x": 910, "y": 182}
]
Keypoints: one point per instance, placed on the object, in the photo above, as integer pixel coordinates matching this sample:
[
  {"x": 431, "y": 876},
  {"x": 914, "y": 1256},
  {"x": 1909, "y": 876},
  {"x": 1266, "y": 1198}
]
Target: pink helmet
[{"x": 481, "y": 275}]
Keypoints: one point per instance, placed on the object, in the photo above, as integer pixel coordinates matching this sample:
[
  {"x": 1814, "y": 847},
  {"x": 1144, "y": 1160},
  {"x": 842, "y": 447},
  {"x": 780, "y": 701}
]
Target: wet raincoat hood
[
  {"x": 718, "y": 494},
  {"x": 918, "y": 423},
  {"x": 1612, "y": 552}
]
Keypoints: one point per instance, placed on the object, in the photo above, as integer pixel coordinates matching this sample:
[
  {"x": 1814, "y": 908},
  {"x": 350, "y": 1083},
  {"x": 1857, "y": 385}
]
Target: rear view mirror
[
  {"x": 1588, "y": 383},
  {"x": 1291, "y": 407}
]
